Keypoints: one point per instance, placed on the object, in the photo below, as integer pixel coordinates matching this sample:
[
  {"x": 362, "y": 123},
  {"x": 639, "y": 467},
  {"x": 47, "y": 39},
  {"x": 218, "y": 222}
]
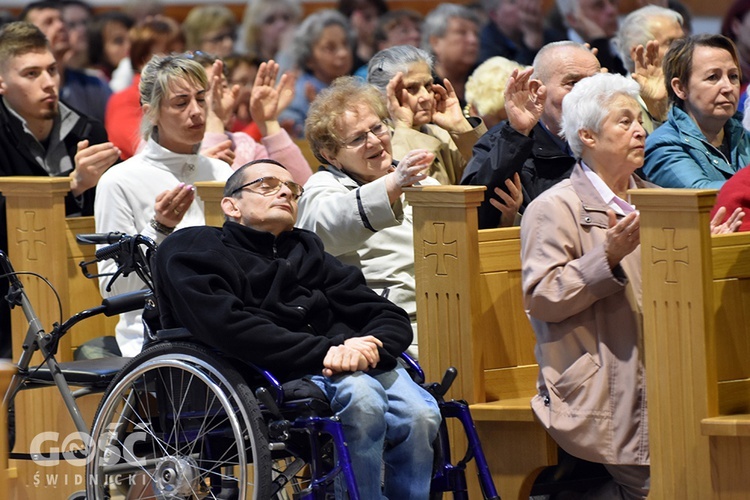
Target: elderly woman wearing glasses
[
  {"x": 355, "y": 202},
  {"x": 424, "y": 114},
  {"x": 152, "y": 193}
]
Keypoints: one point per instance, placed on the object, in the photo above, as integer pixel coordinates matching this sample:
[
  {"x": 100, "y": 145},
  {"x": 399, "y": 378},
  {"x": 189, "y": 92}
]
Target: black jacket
[
  {"x": 501, "y": 152},
  {"x": 16, "y": 159},
  {"x": 280, "y": 303}
]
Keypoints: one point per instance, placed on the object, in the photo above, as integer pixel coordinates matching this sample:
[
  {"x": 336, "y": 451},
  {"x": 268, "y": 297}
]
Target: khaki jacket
[
  {"x": 588, "y": 325},
  {"x": 452, "y": 151}
]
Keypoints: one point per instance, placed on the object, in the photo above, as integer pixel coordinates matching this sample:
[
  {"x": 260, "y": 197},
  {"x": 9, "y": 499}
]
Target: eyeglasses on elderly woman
[
  {"x": 267, "y": 186},
  {"x": 378, "y": 130}
]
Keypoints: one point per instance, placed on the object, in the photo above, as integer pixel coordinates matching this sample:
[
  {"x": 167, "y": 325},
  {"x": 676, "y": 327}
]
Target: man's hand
[
  {"x": 509, "y": 204},
  {"x": 524, "y": 100},
  {"x": 90, "y": 163},
  {"x": 343, "y": 359},
  {"x": 448, "y": 113},
  {"x": 367, "y": 346},
  {"x": 650, "y": 76},
  {"x": 171, "y": 205},
  {"x": 269, "y": 98},
  {"x": 622, "y": 237}
]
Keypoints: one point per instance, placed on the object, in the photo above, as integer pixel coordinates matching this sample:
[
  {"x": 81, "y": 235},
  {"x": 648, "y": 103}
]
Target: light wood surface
[
  {"x": 470, "y": 315},
  {"x": 695, "y": 306}
]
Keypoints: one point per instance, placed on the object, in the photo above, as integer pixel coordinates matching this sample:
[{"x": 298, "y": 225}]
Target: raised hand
[
  {"x": 413, "y": 167},
  {"x": 649, "y": 74},
  {"x": 731, "y": 225},
  {"x": 448, "y": 113},
  {"x": 220, "y": 99},
  {"x": 222, "y": 151},
  {"x": 269, "y": 98},
  {"x": 524, "y": 100},
  {"x": 90, "y": 163},
  {"x": 171, "y": 205},
  {"x": 622, "y": 237},
  {"x": 397, "y": 103}
]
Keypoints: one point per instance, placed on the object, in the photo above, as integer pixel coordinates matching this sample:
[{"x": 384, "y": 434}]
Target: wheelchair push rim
[{"x": 179, "y": 424}]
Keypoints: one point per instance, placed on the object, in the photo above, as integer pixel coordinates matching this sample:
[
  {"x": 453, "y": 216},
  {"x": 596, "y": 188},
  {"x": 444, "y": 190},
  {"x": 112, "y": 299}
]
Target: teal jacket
[{"x": 678, "y": 154}]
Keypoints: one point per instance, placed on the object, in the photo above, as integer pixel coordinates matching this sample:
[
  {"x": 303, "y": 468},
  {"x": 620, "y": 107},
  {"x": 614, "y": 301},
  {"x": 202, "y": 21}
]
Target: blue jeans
[{"x": 386, "y": 418}]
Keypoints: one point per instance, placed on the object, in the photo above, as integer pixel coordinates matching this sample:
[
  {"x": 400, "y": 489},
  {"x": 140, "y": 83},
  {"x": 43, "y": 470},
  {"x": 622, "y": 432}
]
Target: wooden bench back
[
  {"x": 41, "y": 239},
  {"x": 696, "y": 334},
  {"x": 469, "y": 303}
]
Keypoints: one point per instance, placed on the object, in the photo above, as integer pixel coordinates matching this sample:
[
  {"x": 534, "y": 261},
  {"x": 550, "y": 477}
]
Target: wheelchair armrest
[
  {"x": 416, "y": 372},
  {"x": 180, "y": 333}
]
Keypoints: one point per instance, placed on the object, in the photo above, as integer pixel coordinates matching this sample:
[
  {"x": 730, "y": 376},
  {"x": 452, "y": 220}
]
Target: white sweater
[{"x": 125, "y": 198}]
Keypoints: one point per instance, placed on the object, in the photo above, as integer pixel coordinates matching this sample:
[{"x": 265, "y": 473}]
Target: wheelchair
[{"x": 182, "y": 421}]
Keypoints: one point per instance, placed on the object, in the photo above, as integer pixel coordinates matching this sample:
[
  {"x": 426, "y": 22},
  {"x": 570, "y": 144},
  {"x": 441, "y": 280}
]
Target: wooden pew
[
  {"x": 470, "y": 315},
  {"x": 696, "y": 308},
  {"x": 41, "y": 239},
  {"x": 696, "y": 297}
]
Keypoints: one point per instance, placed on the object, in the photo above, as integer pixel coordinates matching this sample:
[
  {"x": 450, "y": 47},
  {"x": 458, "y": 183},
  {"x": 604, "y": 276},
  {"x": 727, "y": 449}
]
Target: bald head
[{"x": 559, "y": 66}]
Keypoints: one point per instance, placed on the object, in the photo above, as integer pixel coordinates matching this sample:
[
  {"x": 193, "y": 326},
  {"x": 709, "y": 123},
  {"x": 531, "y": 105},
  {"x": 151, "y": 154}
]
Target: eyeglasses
[
  {"x": 378, "y": 130},
  {"x": 267, "y": 186},
  {"x": 220, "y": 37}
]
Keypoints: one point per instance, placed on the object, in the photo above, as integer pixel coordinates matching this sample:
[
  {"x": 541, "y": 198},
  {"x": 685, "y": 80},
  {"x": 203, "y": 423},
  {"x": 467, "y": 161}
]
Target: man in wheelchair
[{"x": 262, "y": 291}]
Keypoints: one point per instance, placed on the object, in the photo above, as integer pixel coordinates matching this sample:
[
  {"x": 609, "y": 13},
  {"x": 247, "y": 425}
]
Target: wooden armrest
[
  {"x": 509, "y": 410},
  {"x": 726, "y": 425}
]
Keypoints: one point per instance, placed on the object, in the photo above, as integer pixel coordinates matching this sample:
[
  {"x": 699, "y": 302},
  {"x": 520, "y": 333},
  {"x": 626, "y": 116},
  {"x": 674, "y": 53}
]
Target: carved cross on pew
[
  {"x": 440, "y": 248},
  {"x": 670, "y": 255},
  {"x": 31, "y": 237}
]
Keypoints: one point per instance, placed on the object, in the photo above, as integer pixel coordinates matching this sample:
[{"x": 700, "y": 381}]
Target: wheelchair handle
[{"x": 99, "y": 238}]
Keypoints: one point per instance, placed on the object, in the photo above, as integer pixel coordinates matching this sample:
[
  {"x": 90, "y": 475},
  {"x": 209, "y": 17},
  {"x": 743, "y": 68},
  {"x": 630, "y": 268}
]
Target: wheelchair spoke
[{"x": 183, "y": 430}]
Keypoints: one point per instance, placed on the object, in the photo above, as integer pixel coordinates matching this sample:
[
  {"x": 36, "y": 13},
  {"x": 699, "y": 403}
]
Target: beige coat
[
  {"x": 452, "y": 151},
  {"x": 588, "y": 325}
]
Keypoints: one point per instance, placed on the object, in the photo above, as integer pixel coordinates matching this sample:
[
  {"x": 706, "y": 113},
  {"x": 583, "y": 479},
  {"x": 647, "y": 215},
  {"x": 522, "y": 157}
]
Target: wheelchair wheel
[{"x": 179, "y": 423}]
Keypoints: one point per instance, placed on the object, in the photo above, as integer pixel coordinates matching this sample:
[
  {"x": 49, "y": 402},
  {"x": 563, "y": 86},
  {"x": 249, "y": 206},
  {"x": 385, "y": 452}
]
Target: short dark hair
[
  {"x": 41, "y": 5},
  {"x": 678, "y": 61},
  {"x": 238, "y": 177},
  {"x": 19, "y": 38}
]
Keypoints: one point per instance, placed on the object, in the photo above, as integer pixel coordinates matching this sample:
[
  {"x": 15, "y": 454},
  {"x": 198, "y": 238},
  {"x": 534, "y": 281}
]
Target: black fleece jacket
[
  {"x": 503, "y": 151},
  {"x": 280, "y": 303}
]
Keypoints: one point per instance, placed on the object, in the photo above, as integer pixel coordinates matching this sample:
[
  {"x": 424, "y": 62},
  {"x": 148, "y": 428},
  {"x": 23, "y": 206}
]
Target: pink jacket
[
  {"x": 278, "y": 146},
  {"x": 588, "y": 325}
]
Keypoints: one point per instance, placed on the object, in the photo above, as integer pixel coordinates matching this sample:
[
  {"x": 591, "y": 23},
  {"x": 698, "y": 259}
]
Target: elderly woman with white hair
[
  {"x": 424, "y": 115},
  {"x": 581, "y": 262}
]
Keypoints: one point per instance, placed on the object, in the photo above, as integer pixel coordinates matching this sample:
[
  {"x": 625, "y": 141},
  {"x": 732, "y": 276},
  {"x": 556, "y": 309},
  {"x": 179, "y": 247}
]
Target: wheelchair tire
[{"x": 178, "y": 422}]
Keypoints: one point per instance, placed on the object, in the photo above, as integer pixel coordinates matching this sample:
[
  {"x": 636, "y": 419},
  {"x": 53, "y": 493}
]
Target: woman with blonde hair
[
  {"x": 152, "y": 193},
  {"x": 485, "y": 90}
]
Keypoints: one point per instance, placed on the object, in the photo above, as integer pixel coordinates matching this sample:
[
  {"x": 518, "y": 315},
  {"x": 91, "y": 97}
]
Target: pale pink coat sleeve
[{"x": 278, "y": 146}]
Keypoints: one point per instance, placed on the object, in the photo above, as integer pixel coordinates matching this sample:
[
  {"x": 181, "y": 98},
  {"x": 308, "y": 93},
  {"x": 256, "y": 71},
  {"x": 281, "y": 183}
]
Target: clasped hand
[{"x": 355, "y": 354}]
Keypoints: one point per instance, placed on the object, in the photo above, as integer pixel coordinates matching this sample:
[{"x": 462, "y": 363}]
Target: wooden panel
[
  {"x": 516, "y": 453},
  {"x": 730, "y": 461},
  {"x": 678, "y": 337},
  {"x": 510, "y": 383},
  {"x": 732, "y": 322}
]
